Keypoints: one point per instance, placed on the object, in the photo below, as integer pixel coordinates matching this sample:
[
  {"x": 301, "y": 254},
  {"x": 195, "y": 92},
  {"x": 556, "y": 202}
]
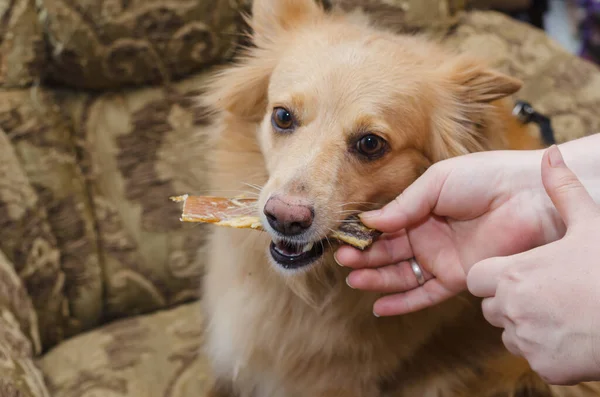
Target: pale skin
[{"x": 524, "y": 238}]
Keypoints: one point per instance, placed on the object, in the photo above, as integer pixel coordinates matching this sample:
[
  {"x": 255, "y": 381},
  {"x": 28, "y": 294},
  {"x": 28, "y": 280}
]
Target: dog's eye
[
  {"x": 371, "y": 146},
  {"x": 282, "y": 119}
]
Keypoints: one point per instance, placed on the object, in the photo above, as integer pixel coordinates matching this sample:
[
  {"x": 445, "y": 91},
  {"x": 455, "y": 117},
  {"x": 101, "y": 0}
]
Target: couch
[{"x": 99, "y": 280}]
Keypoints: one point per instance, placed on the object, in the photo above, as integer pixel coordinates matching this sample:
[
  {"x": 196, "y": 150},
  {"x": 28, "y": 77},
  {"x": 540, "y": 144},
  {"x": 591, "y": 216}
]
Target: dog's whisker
[
  {"x": 219, "y": 191},
  {"x": 322, "y": 245},
  {"x": 248, "y": 211},
  {"x": 328, "y": 240},
  {"x": 253, "y": 186},
  {"x": 347, "y": 212},
  {"x": 359, "y": 203}
]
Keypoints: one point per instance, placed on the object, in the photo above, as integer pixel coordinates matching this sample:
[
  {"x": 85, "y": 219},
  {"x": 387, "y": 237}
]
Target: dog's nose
[{"x": 289, "y": 216}]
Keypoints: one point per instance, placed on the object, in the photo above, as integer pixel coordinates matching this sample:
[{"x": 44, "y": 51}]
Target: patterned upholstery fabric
[
  {"x": 94, "y": 172},
  {"x": 138, "y": 148},
  {"x": 22, "y": 49},
  {"x": 19, "y": 339},
  {"x": 101, "y": 44},
  {"x": 98, "y": 278},
  {"x": 406, "y": 15},
  {"x": 157, "y": 355},
  {"x": 28, "y": 242},
  {"x": 558, "y": 84}
]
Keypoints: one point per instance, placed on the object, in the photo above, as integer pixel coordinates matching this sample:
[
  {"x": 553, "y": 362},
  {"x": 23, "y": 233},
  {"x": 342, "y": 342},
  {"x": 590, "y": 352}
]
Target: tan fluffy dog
[{"x": 330, "y": 116}]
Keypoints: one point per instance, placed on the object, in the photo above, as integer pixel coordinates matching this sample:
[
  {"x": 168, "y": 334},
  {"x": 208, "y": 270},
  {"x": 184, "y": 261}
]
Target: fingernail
[
  {"x": 336, "y": 259},
  {"x": 348, "y": 282},
  {"x": 555, "y": 157},
  {"x": 375, "y": 314},
  {"x": 370, "y": 214}
]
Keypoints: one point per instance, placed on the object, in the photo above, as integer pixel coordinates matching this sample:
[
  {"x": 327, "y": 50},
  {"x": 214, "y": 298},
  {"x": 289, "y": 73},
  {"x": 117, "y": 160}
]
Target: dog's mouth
[{"x": 295, "y": 255}]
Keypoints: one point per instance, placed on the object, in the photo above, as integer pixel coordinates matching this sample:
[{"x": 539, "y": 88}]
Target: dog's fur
[{"x": 276, "y": 333}]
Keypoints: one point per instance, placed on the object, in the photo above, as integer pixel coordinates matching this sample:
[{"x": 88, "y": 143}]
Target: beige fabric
[
  {"x": 138, "y": 148},
  {"x": 151, "y": 356},
  {"x": 22, "y": 50},
  {"x": 27, "y": 240},
  {"x": 43, "y": 141},
  {"x": 19, "y": 339},
  {"x": 85, "y": 213},
  {"x": 508, "y": 5},
  {"x": 406, "y": 15},
  {"x": 558, "y": 84},
  {"x": 102, "y": 44},
  {"x": 17, "y": 305}
]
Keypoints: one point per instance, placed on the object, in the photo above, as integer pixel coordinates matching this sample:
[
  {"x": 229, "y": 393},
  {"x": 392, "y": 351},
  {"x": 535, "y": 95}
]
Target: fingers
[
  {"x": 569, "y": 196},
  {"x": 482, "y": 279},
  {"x": 509, "y": 340},
  {"x": 389, "y": 249},
  {"x": 431, "y": 293},
  {"x": 388, "y": 279},
  {"x": 493, "y": 313},
  {"x": 415, "y": 203}
]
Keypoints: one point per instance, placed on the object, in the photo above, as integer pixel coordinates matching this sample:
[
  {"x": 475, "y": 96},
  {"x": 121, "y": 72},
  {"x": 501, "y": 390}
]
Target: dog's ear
[
  {"x": 242, "y": 87},
  {"x": 272, "y": 18},
  {"x": 467, "y": 119},
  {"x": 475, "y": 83}
]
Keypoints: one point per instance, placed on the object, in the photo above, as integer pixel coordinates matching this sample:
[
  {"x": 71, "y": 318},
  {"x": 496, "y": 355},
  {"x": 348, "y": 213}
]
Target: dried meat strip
[{"x": 239, "y": 212}]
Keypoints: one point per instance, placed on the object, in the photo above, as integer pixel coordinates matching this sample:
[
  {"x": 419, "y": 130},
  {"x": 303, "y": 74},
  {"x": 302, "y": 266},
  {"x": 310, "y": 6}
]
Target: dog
[{"x": 330, "y": 116}]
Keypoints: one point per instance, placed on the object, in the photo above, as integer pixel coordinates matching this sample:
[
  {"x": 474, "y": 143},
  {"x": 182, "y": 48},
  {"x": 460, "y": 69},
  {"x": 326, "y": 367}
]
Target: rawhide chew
[{"x": 239, "y": 212}]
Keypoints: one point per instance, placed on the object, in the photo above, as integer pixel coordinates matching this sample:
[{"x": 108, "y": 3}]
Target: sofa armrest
[{"x": 19, "y": 339}]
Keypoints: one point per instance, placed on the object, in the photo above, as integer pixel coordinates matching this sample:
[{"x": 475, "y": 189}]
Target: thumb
[
  {"x": 414, "y": 204},
  {"x": 483, "y": 277},
  {"x": 569, "y": 196}
]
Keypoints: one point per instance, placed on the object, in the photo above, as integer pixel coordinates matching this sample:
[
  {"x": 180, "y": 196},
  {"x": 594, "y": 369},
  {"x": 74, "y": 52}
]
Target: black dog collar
[{"x": 526, "y": 114}]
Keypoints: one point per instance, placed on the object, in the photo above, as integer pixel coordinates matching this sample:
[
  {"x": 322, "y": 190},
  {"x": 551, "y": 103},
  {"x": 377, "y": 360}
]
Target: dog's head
[{"x": 347, "y": 116}]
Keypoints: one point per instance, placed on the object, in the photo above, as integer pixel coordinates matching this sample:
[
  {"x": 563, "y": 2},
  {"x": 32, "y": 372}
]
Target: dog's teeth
[{"x": 307, "y": 247}]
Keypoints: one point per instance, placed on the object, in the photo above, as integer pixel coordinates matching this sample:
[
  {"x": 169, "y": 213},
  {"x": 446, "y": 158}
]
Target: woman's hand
[
  {"x": 459, "y": 212},
  {"x": 548, "y": 299}
]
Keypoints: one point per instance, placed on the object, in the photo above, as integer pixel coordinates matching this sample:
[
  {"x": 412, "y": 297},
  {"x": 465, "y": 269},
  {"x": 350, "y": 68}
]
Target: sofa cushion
[
  {"x": 27, "y": 240},
  {"x": 22, "y": 49},
  {"x": 43, "y": 143},
  {"x": 154, "y": 355},
  {"x": 19, "y": 338},
  {"x": 105, "y": 44},
  {"x": 19, "y": 376},
  {"x": 406, "y": 14},
  {"x": 108, "y": 45},
  {"x": 137, "y": 148},
  {"x": 16, "y": 305},
  {"x": 556, "y": 83},
  {"x": 86, "y": 216}
]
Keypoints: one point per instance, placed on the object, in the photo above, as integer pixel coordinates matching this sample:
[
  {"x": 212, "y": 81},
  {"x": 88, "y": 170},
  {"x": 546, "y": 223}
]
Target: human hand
[
  {"x": 548, "y": 299},
  {"x": 460, "y": 211}
]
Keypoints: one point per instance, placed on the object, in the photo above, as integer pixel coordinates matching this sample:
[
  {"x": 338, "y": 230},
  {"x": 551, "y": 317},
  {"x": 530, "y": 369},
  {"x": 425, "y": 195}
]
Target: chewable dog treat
[{"x": 239, "y": 212}]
